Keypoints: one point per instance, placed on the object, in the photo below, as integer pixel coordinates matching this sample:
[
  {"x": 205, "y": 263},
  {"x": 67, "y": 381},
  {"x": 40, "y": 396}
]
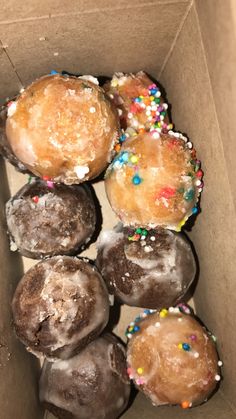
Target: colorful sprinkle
[
  {"x": 136, "y": 180},
  {"x": 189, "y": 195},
  {"x": 140, "y": 371},
  {"x": 220, "y": 363},
  {"x": 167, "y": 192},
  {"x": 217, "y": 377},
  {"x": 193, "y": 337},
  {"x": 194, "y": 210},
  {"x": 140, "y": 381},
  {"x": 50, "y": 184},
  {"x": 134, "y": 159},
  {"x": 186, "y": 405},
  {"x": 183, "y": 308},
  {"x": 35, "y": 199},
  {"x": 163, "y": 313},
  {"x": 185, "y": 346}
]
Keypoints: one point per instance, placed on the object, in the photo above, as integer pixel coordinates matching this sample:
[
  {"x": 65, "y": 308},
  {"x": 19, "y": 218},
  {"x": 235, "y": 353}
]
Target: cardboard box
[{"x": 190, "y": 47}]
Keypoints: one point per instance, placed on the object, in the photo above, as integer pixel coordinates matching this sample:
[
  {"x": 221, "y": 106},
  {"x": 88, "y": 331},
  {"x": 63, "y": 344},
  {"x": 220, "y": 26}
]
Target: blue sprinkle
[
  {"x": 186, "y": 347},
  {"x": 123, "y": 138},
  {"x": 137, "y": 99},
  {"x": 125, "y": 157},
  {"x": 194, "y": 210},
  {"x": 146, "y": 311},
  {"x": 136, "y": 180},
  {"x": 136, "y": 328},
  {"x": 54, "y": 72},
  {"x": 153, "y": 91}
]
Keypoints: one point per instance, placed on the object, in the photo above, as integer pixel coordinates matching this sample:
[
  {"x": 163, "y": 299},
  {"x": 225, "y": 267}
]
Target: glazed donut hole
[{"x": 63, "y": 127}]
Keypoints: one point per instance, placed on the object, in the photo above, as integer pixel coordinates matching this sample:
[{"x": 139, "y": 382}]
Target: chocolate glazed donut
[
  {"x": 92, "y": 385},
  {"x": 59, "y": 306},
  {"x": 47, "y": 221}
]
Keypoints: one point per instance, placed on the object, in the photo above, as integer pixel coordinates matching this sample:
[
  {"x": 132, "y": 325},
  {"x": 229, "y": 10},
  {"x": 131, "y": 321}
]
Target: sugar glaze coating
[
  {"x": 59, "y": 306},
  {"x": 154, "y": 181},
  {"x": 172, "y": 358},
  {"x": 48, "y": 221},
  {"x": 92, "y": 385},
  {"x": 142, "y": 268},
  {"x": 63, "y": 127}
]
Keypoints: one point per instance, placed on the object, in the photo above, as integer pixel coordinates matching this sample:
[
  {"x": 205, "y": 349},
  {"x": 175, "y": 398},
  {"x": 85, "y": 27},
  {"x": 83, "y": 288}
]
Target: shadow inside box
[
  {"x": 114, "y": 316},
  {"x": 190, "y": 292},
  {"x": 101, "y": 79},
  {"x": 11, "y": 272},
  {"x": 14, "y": 260}
]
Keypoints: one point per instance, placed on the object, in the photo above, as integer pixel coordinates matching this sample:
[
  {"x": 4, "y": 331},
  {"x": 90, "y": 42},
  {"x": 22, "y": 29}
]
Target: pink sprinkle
[
  {"x": 129, "y": 371},
  {"x": 140, "y": 381},
  {"x": 50, "y": 184},
  {"x": 193, "y": 337}
]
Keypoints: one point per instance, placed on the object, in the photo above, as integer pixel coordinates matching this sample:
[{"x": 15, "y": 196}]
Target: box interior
[{"x": 185, "y": 45}]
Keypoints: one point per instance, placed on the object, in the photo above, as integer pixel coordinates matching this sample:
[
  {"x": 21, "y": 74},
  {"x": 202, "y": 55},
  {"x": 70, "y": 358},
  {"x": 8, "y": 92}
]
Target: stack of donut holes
[{"x": 64, "y": 131}]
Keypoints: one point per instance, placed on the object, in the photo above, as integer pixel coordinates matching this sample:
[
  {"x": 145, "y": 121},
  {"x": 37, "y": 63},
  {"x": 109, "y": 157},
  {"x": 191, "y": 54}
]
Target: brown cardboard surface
[
  {"x": 11, "y": 10},
  {"x": 220, "y": 54},
  {"x": 91, "y": 43},
  {"x": 9, "y": 83},
  {"x": 189, "y": 89},
  {"x": 143, "y": 409},
  {"x": 101, "y": 37},
  {"x": 18, "y": 370}
]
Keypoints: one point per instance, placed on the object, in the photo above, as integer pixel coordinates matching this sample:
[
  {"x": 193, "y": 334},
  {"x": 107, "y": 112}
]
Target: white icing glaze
[{"x": 93, "y": 79}]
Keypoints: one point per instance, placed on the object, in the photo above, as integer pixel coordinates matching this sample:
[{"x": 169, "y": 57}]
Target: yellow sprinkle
[
  {"x": 152, "y": 98},
  {"x": 130, "y": 328},
  {"x": 140, "y": 370},
  {"x": 134, "y": 159},
  {"x": 163, "y": 312},
  {"x": 114, "y": 83},
  {"x": 180, "y": 345},
  {"x": 170, "y": 126},
  {"x": 181, "y": 224}
]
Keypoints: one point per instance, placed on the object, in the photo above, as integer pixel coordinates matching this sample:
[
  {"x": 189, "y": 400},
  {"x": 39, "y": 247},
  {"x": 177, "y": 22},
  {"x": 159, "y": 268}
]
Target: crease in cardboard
[
  {"x": 181, "y": 25},
  {"x": 4, "y": 48},
  {"x": 95, "y": 10}
]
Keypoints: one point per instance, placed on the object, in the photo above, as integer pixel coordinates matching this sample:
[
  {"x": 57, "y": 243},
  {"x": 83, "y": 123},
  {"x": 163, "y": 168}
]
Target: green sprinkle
[{"x": 189, "y": 195}]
